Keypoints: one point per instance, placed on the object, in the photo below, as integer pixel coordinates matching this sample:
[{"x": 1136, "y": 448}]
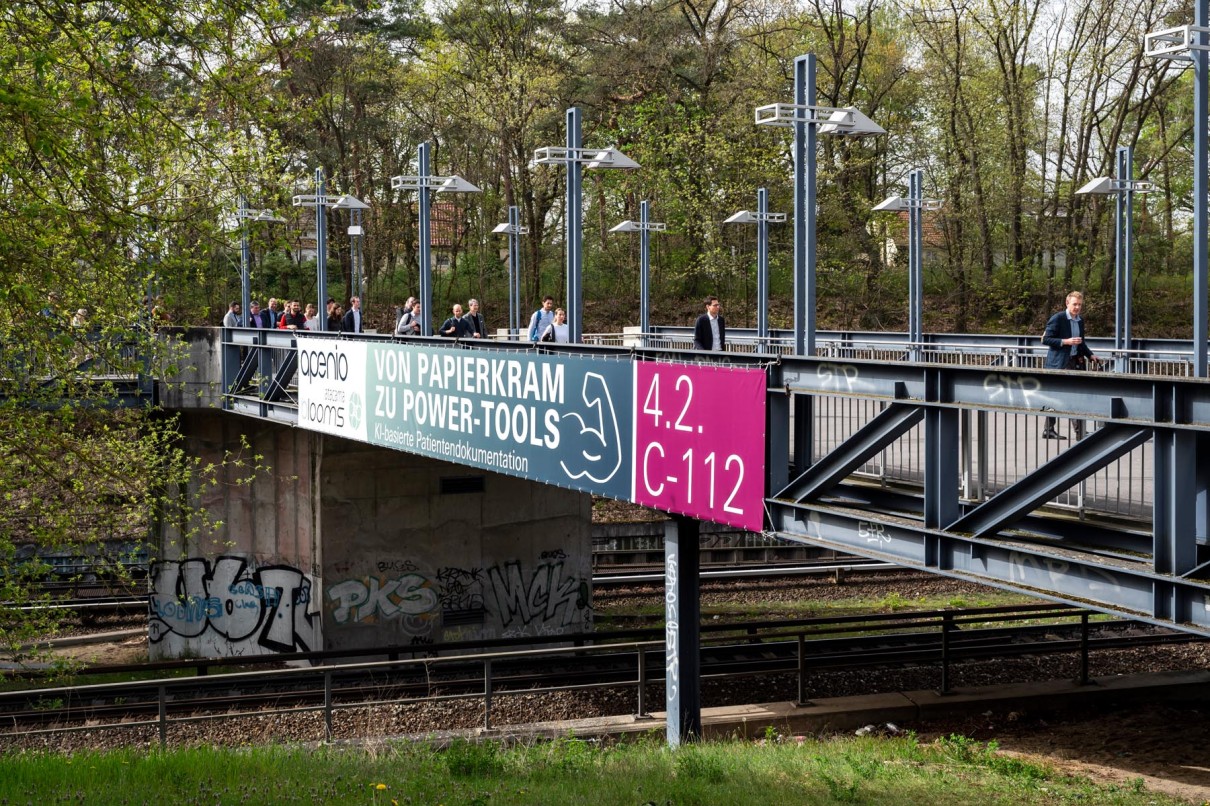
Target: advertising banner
[
  {"x": 700, "y": 441},
  {"x": 677, "y": 437}
]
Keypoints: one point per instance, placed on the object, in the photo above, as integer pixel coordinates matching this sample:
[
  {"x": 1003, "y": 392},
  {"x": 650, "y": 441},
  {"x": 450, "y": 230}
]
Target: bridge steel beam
[
  {"x": 1129, "y": 589},
  {"x": 887, "y": 426},
  {"x": 682, "y": 643}
]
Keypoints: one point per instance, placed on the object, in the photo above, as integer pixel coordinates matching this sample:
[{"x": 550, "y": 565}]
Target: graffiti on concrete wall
[
  {"x": 546, "y": 595},
  {"x": 465, "y": 603},
  {"x": 373, "y": 598},
  {"x": 230, "y": 606}
]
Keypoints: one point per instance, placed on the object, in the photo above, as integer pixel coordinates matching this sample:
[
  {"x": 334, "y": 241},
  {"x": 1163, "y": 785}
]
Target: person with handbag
[{"x": 558, "y": 330}]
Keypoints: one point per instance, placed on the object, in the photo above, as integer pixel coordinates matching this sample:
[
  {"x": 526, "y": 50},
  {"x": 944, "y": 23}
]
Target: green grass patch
[{"x": 567, "y": 771}]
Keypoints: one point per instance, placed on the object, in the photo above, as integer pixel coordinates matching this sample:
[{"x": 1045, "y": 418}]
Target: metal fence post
[
  {"x": 162, "y": 695},
  {"x": 802, "y": 671},
  {"x": 947, "y": 623},
  {"x": 487, "y": 694},
  {"x": 327, "y": 705},
  {"x": 1084, "y": 648},
  {"x": 642, "y": 683}
]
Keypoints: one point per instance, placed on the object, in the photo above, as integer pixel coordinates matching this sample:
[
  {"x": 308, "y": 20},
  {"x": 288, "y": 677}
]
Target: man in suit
[
  {"x": 1064, "y": 336},
  {"x": 352, "y": 320},
  {"x": 478, "y": 329},
  {"x": 710, "y": 330}
]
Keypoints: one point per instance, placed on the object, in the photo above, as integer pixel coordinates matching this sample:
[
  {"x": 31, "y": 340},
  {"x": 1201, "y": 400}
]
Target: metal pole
[
  {"x": 762, "y": 265},
  {"x": 1124, "y": 259},
  {"x": 1201, "y": 275},
  {"x": 425, "y": 250},
  {"x": 358, "y": 258},
  {"x": 916, "y": 261},
  {"x": 575, "y": 226},
  {"x": 514, "y": 269},
  {"x": 245, "y": 263},
  {"x": 645, "y": 268},
  {"x": 321, "y": 241},
  {"x": 682, "y": 641},
  {"x": 804, "y": 210}
]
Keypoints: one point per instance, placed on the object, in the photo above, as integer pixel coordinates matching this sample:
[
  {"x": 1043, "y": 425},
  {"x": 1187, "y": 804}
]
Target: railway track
[{"x": 937, "y": 638}]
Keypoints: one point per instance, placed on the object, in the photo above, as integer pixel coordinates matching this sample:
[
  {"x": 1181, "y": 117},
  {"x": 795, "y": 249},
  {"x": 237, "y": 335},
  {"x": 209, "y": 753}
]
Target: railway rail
[{"x": 631, "y": 659}]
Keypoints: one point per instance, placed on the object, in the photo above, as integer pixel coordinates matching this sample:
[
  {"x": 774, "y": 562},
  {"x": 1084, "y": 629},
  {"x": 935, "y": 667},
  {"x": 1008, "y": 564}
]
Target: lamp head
[
  {"x": 891, "y": 204},
  {"x": 849, "y": 121},
  {"x": 1101, "y": 186},
  {"x": 456, "y": 184},
  {"x": 626, "y": 226},
  {"x": 742, "y": 217},
  {"x": 348, "y": 202},
  {"x": 611, "y": 158}
]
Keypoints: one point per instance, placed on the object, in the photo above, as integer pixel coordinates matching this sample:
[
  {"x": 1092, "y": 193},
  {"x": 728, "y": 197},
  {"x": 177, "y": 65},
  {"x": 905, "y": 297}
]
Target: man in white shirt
[
  {"x": 352, "y": 320},
  {"x": 710, "y": 330}
]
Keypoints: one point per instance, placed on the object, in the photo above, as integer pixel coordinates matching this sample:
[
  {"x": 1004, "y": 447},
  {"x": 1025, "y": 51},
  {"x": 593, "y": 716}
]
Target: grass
[
  {"x": 897, "y": 770},
  {"x": 809, "y": 608}
]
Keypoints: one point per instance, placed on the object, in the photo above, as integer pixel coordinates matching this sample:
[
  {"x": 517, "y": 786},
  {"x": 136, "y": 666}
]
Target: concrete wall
[
  {"x": 249, "y": 586},
  {"x": 339, "y": 545},
  {"x": 412, "y": 557}
]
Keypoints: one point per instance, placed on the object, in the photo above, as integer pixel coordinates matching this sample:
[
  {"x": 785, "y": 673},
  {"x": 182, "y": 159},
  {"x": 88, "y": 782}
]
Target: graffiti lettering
[
  {"x": 547, "y": 595},
  {"x": 833, "y": 376},
  {"x": 1008, "y": 390},
  {"x": 231, "y": 607},
  {"x": 365, "y": 599}
]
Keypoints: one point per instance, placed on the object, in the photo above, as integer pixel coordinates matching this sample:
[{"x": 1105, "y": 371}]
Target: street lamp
[
  {"x": 1124, "y": 188},
  {"x": 320, "y": 202},
  {"x": 245, "y": 214},
  {"x": 808, "y": 120},
  {"x": 1189, "y": 42},
  {"x": 915, "y": 204},
  {"x": 355, "y": 206},
  {"x": 644, "y": 227},
  {"x": 422, "y": 184},
  {"x": 762, "y": 218},
  {"x": 576, "y": 158},
  {"x": 515, "y": 231}
]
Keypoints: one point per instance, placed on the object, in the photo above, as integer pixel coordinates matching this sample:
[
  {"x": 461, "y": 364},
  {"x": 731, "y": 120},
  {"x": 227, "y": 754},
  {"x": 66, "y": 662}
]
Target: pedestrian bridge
[{"x": 936, "y": 464}]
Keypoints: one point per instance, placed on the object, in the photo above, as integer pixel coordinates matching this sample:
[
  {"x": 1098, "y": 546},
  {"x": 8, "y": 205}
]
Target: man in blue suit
[{"x": 1064, "y": 336}]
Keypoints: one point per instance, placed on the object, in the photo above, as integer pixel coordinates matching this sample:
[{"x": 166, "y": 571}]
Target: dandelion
[{"x": 380, "y": 787}]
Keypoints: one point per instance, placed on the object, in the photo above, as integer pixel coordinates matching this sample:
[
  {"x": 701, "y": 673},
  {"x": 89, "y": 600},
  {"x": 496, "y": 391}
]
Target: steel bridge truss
[{"x": 1012, "y": 540}]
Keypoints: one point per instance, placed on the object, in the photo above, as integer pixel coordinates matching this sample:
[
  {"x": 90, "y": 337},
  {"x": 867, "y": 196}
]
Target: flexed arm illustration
[{"x": 593, "y": 441}]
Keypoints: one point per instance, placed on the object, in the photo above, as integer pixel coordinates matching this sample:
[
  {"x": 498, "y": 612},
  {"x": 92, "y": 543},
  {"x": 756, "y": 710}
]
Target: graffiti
[
  {"x": 1013, "y": 390},
  {"x": 548, "y": 595},
  {"x": 672, "y": 630},
  {"x": 534, "y": 631},
  {"x": 365, "y": 599},
  {"x": 1025, "y": 568},
  {"x": 833, "y": 376},
  {"x": 554, "y": 554},
  {"x": 467, "y": 632},
  {"x": 396, "y": 566},
  {"x": 231, "y": 607},
  {"x": 873, "y": 532}
]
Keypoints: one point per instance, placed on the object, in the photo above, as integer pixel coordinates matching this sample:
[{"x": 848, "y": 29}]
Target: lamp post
[
  {"x": 244, "y": 214},
  {"x": 915, "y": 204},
  {"x": 1124, "y": 188},
  {"x": 1189, "y": 43},
  {"x": 355, "y": 206},
  {"x": 422, "y": 183},
  {"x": 808, "y": 120},
  {"x": 762, "y": 218},
  {"x": 515, "y": 231},
  {"x": 644, "y": 226},
  {"x": 320, "y": 202},
  {"x": 576, "y": 158}
]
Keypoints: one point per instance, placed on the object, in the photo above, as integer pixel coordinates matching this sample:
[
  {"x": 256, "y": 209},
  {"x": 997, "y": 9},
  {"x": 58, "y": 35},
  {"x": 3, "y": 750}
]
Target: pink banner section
[{"x": 699, "y": 435}]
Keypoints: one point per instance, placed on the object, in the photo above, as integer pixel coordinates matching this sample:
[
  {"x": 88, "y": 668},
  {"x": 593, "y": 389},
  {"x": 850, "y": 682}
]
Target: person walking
[
  {"x": 1064, "y": 339},
  {"x": 558, "y": 330},
  {"x": 352, "y": 319},
  {"x": 542, "y": 318},
  {"x": 710, "y": 330},
  {"x": 478, "y": 329}
]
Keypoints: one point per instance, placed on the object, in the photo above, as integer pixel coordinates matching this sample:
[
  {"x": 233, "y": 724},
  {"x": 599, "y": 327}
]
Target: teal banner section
[{"x": 558, "y": 419}]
